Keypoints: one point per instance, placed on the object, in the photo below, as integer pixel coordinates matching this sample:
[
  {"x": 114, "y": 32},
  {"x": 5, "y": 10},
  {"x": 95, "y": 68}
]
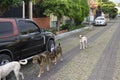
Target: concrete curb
[{"x": 59, "y": 36}]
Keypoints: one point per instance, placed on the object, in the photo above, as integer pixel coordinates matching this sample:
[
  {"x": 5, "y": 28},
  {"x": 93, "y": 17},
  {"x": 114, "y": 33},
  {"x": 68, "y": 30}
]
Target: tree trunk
[{"x": 58, "y": 23}]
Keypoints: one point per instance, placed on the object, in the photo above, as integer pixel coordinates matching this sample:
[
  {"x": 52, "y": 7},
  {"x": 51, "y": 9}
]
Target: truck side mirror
[{"x": 43, "y": 30}]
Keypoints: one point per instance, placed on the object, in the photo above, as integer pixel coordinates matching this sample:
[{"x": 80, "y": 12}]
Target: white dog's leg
[
  {"x": 16, "y": 74},
  {"x": 80, "y": 45},
  {"x": 21, "y": 75},
  {"x": 86, "y": 43},
  {"x": 83, "y": 45}
]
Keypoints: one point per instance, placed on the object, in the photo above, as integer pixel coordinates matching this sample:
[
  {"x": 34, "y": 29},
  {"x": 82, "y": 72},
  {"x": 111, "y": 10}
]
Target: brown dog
[
  {"x": 55, "y": 53},
  {"x": 42, "y": 59}
]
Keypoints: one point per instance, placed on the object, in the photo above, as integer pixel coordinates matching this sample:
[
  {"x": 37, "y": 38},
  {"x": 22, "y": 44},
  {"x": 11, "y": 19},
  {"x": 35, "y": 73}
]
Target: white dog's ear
[{"x": 80, "y": 36}]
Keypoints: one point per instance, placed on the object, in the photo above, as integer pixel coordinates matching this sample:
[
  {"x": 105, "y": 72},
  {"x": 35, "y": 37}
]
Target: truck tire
[
  {"x": 51, "y": 45},
  {"x": 4, "y": 59}
]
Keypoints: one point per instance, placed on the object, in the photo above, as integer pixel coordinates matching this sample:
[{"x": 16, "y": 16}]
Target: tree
[
  {"x": 105, "y": 0},
  {"x": 118, "y": 5},
  {"x": 57, "y": 8},
  {"x": 85, "y": 9},
  {"x": 101, "y": 1},
  {"x": 79, "y": 10},
  {"x": 75, "y": 9},
  {"x": 109, "y": 8},
  {"x": 6, "y": 4}
]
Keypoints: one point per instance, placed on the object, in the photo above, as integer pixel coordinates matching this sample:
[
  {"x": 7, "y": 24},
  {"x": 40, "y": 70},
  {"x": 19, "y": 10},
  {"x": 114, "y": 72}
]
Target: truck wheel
[
  {"x": 51, "y": 45},
  {"x": 4, "y": 59}
]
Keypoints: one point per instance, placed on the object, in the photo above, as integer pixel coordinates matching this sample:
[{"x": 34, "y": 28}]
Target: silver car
[{"x": 100, "y": 21}]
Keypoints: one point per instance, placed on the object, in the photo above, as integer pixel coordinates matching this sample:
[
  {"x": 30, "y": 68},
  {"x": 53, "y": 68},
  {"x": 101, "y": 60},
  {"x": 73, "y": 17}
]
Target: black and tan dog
[
  {"x": 42, "y": 59},
  {"x": 55, "y": 53}
]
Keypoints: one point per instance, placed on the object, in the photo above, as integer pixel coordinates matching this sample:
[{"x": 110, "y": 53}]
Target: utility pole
[
  {"x": 30, "y": 10},
  {"x": 23, "y": 9},
  {"x": 27, "y": 9}
]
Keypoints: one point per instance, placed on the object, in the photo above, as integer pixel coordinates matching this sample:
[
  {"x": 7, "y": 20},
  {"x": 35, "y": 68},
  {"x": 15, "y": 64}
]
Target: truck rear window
[{"x": 6, "y": 28}]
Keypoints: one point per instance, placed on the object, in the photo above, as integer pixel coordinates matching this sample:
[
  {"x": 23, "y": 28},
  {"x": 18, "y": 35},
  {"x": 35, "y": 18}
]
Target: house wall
[
  {"x": 118, "y": 9},
  {"x": 53, "y": 20},
  {"x": 43, "y": 22}
]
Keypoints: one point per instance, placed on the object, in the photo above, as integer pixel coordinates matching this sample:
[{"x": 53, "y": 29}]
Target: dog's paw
[
  {"x": 55, "y": 63},
  {"x": 48, "y": 69},
  {"x": 39, "y": 75},
  {"x": 61, "y": 59}
]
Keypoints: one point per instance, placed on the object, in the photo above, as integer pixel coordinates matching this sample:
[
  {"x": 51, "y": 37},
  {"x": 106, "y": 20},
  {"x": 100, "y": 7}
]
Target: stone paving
[
  {"x": 116, "y": 75},
  {"x": 81, "y": 66},
  {"x": 105, "y": 66},
  {"x": 100, "y": 61}
]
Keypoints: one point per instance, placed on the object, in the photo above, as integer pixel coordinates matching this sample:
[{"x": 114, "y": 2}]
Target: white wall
[{"x": 118, "y": 9}]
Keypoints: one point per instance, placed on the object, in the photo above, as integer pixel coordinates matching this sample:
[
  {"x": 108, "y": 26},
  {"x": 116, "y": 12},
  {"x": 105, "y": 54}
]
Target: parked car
[
  {"x": 100, "y": 21},
  {"x": 118, "y": 15},
  {"x": 22, "y": 39}
]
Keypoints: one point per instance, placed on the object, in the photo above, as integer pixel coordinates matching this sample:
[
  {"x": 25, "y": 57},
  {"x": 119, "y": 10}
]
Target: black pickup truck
[{"x": 22, "y": 39}]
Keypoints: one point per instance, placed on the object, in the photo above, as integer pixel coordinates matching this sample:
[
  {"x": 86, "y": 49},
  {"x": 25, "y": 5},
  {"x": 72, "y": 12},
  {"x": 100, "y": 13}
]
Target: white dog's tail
[{"x": 23, "y": 62}]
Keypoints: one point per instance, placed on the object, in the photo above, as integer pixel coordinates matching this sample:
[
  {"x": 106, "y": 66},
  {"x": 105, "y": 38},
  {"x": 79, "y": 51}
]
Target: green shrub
[
  {"x": 53, "y": 30},
  {"x": 66, "y": 26},
  {"x": 70, "y": 27},
  {"x": 80, "y": 26}
]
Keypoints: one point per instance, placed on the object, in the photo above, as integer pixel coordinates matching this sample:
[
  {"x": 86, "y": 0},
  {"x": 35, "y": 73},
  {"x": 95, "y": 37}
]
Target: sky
[{"x": 115, "y": 1}]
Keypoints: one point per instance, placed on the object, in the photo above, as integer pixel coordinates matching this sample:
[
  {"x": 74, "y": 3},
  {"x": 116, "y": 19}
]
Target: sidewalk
[{"x": 63, "y": 35}]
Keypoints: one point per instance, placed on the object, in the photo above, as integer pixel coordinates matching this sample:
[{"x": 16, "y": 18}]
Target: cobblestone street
[
  {"x": 59, "y": 39},
  {"x": 100, "y": 61},
  {"x": 95, "y": 63}
]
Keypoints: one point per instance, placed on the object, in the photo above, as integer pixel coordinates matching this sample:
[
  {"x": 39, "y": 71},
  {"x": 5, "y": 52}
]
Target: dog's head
[
  {"x": 36, "y": 59},
  {"x": 58, "y": 49},
  {"x": 53, "y": 53},
  {"x": 80, "y": 36}
]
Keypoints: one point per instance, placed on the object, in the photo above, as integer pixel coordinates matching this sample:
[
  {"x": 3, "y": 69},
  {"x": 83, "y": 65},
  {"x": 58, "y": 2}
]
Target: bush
[
  {"x": 80, "y": 26},
  {"x": 70, "y": 27},
  {"x": 66, "y": 26},
  {"x": 53, "y": 30}
]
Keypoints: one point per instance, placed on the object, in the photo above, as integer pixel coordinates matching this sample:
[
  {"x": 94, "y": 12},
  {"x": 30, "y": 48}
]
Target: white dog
[
  {"x": 12, "y": 66},
  {"x": 83, "y": 42}
]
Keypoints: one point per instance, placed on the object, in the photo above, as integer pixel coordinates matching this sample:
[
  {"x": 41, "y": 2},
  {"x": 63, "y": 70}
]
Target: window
[
  {"x": 53, "y": 24},
  {"x": 6, "y": 28},
  {"x": 26, "y": 27}
]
